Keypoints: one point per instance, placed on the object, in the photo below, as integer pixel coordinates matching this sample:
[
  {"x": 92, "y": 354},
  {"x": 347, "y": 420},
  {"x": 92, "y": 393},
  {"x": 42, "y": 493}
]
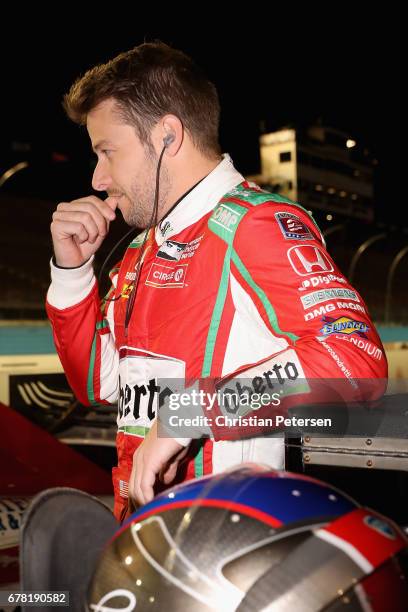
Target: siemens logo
[{"x": 326, "y": 295}]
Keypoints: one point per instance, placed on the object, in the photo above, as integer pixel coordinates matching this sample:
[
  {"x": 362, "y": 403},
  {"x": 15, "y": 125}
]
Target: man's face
[{"x": 126, "y": 167}]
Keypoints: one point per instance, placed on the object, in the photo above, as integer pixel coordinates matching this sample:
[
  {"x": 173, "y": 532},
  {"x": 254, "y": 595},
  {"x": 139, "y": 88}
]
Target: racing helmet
[{"x": 253, "y": 539}]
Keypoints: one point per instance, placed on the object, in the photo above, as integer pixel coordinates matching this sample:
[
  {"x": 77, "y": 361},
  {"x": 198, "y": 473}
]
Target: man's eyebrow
[{"x": 101, "y": 143}]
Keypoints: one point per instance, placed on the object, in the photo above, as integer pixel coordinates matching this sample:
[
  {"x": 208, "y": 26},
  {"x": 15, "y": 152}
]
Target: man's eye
[{"x": 106, "y": 151}]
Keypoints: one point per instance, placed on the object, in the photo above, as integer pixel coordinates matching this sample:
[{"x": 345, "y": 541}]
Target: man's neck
[{"x": 192, "y": 174}]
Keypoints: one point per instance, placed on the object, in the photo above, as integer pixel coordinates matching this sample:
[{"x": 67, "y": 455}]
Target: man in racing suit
[{"x": 230, "y": 280}]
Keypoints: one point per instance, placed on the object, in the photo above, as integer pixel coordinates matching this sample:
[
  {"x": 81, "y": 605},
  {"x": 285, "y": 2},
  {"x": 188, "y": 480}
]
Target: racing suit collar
[{"x": 200, "y": 200}]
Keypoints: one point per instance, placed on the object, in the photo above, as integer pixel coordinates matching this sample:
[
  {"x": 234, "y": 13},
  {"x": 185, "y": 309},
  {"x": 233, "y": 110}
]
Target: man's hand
[
  {"x": 79, "y": 227},
  {"x": 154, "y": 457}
]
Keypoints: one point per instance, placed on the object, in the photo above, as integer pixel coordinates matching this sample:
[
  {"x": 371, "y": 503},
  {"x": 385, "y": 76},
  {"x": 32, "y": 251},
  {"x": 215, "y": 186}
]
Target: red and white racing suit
[{"x": 231, "y": 278}]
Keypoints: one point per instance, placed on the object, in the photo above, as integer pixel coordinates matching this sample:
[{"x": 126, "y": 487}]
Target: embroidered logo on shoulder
[
  {"x": 292, "y": 227},
  {"x": 226, "y": 216},
  {"x": 171, "y": 250}
]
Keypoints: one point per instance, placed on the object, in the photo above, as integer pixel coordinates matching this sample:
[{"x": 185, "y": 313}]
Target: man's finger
[
  {"x": 80, "y": 218},
  {"x": 92, "y": 203},
  {"x": 168, "y": 473},
  {"x": 112, "y": 202},
  {"x": 146, "y": 484},
  {"x": 68, "y": 229},
  {"x": 169, "y": 470}
]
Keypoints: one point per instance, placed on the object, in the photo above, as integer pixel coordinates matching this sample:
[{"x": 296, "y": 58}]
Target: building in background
[{"x": 320, "y": 167}]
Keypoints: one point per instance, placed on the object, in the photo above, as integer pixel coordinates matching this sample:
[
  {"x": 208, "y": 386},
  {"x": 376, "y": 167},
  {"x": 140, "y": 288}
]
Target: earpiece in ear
[{"x": 168, "y": 139}]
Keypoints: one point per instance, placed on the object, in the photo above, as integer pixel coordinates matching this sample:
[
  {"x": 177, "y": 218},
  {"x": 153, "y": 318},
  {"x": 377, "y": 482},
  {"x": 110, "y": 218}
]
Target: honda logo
[{"x": 307, "y": 259}]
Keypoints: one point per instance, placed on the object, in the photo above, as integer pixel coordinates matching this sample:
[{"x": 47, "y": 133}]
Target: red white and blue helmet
[{"x": 253, "y": 539}]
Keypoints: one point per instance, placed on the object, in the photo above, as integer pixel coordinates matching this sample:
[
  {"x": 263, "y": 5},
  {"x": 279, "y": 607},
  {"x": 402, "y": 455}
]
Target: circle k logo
[{"x": 166, "y": 276}]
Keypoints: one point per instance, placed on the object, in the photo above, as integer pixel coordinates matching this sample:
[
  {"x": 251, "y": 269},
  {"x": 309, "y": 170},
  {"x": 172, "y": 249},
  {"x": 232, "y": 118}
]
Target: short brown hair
[{"x": 148, "y": 82}]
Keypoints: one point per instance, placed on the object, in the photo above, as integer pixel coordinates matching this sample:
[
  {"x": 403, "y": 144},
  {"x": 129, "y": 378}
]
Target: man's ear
[{"x": 171, "y": 133}]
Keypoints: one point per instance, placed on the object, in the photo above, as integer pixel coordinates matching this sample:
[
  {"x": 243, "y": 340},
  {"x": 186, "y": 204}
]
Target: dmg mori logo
[{"x": 309, "y": 259}]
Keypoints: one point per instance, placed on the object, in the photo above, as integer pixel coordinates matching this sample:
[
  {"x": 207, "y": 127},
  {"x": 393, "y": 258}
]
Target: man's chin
[
  {"x": 131, "y": 213},
  {"x": 133, "y": 221}
]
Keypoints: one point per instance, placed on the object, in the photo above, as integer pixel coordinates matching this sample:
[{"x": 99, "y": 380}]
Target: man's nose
[{"x": 101, "y": 180}]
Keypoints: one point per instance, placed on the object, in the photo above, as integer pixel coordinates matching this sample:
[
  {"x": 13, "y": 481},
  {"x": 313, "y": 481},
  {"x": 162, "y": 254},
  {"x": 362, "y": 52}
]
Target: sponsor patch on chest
[
  {"x": 166, "y": 276},
  {"x": 171, "y": 250}
]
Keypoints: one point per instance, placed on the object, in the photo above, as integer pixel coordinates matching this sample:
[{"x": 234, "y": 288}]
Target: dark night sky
[{"x": 342, "y": 70}]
